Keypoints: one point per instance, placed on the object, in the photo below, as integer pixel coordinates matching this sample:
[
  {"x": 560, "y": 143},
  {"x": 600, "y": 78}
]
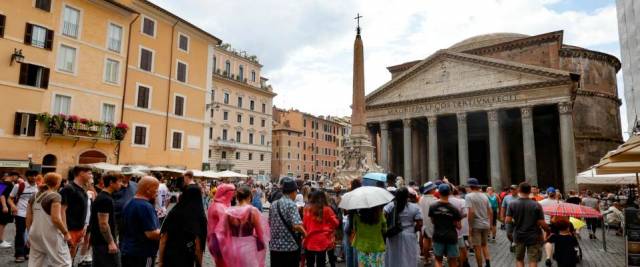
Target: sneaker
[
  {"x": 5, "y": 244},
  {"x": 19, "y": 259},
  {"x": 547, "y": 263}
]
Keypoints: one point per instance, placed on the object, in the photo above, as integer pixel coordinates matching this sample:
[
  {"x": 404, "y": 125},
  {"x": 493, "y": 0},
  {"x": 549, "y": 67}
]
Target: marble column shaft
[
  {"x": 494, "y": 149},
  {"x": 406, "y": 123},
  {"x": 384, "y": 145},
  {"x": 567, "y": 146},
  {"x": 529, "y": 146},
  {"x": 463, "y": 148},
  {"x": 433, "y": 170}
]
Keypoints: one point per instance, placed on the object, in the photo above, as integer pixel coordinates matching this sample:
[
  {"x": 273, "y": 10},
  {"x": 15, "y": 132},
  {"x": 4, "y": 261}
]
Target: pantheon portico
[{"x": 502, "y": 108}]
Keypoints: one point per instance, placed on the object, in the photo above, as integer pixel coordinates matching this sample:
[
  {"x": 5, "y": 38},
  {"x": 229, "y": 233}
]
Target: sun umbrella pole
[{"x": 604, "y": 236}]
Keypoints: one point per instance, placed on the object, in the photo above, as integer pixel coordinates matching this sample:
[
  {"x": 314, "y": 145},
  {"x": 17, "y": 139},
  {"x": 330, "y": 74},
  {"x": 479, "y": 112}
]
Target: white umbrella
[
  {"x": 106, "y": 166},
  {"x": 230, "y": 174},
  {"x": 209, "y": 174},
  {"x": 365, "y": 197},
  {"x": 159, "y": 169}
]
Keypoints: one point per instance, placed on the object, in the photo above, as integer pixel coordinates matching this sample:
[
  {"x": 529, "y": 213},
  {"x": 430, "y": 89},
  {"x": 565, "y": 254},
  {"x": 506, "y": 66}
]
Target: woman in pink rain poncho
[
  {"x": 243, "y": 233},
  {"x": 215, "y": 214}
]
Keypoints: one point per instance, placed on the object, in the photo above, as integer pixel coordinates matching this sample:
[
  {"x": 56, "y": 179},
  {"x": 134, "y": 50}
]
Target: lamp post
[{"x": 17, "y": 56}]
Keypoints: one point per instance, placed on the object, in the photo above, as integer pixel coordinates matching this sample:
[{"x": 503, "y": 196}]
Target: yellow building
[
  {"x": 241, "y": 117},
  {"x": 101, "y": 63}
]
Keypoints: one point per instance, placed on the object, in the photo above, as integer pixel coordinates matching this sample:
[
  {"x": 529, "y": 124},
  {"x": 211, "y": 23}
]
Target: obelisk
[{"x": 358, "y": 152}]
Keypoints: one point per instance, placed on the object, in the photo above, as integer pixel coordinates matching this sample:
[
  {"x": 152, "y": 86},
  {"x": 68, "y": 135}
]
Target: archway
[
  {"x": 92, "y": 156},
  {"x": 49, "y": 163}
]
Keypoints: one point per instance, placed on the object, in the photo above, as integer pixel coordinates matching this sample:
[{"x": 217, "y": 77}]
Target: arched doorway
[
  {"x": 92, "y": 156},
  {"x": 49, "y": 163}
]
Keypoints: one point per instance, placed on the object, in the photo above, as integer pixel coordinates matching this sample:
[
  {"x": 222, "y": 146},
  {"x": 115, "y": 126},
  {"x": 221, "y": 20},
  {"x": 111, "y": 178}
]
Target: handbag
[{"x": 296, "y": 237}]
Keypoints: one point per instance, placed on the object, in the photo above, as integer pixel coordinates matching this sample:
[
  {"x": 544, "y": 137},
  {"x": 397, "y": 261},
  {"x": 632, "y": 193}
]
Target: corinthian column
[
  {"x": 433, "y": 148},
  {"x": 494, "y": 149},
  {"x": 384, "y": 145},
  {"x": 567, "y": 146},
  {"x": 406, "y": 123},
  {"x": 463, "y": 148},
  {"x": 529, "y": 146}
]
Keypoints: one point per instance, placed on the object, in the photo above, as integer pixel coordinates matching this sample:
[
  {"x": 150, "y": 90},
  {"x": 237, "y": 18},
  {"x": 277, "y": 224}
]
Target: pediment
[{"x": 450, "y": 73}]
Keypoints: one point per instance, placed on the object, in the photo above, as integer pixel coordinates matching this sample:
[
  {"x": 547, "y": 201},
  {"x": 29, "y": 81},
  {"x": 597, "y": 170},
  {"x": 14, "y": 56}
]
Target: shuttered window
[
  {"x": 179, "y": 106},
  {"x": 146, "y": 59},
  {"x": 143, "y": 97},
  {"x": 140, "y": 135},
  {"x": 177, "y": 140},
  {"x": 24, "y": 124},
  {"x": 34, "y": 75},
  {"x": 183, "y": 43},
  {"x": 38, "y": 36},
  {"x": 44, "y": 5},
  {"x": 182, "y": 72},
  {"x": 3, "y": 21},
  {"x": 149, "y": 27}
]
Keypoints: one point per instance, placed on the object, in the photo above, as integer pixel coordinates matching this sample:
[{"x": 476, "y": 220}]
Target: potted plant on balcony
[{"x": 120, "y": 131}]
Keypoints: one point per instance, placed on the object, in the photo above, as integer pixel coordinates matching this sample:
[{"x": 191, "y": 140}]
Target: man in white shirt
[
  {"x": 615, "y": 216},
  {"x": 457, "y": 201},
  {"x": 162, "y": 199},
  {"x": 19, "y": 201},
  {"x": 427, "y": 228}
]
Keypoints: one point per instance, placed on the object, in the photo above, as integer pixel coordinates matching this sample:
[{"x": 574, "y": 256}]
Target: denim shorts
[{"x": 447, "y": 250}]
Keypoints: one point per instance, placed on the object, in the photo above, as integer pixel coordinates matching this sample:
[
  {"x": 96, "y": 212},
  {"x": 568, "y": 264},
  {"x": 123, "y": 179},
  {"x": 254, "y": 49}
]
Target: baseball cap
[
  {"x": 444, "y": 189},
  {"x": 473, "y": 182},
  {"x": 551, "y": 190},
  {"x": 428, "y": 186}
]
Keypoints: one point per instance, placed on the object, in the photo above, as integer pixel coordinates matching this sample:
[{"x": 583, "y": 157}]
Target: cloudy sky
[{"x": 306, "y": 45}]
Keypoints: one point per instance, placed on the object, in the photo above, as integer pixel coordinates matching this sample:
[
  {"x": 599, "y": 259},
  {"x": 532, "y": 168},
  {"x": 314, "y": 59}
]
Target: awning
[
  {"x": 625, "y": 159},
  {"x": 589, "y": 177},
  {"x": 14, "y": 164}
]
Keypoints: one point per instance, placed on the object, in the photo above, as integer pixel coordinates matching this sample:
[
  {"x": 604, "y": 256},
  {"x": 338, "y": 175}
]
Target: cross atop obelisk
[{"x": 357, "y": 18}]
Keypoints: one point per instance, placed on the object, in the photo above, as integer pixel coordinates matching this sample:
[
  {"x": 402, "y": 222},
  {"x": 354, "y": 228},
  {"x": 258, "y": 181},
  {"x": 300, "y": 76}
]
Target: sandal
[{"x": 19, "y": 259}]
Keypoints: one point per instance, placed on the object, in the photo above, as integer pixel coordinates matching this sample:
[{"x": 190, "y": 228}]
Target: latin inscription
[{"x": 455, "y": 105}]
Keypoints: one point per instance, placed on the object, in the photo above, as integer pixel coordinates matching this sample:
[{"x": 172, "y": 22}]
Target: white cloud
[{"x": 306, "y": 46}]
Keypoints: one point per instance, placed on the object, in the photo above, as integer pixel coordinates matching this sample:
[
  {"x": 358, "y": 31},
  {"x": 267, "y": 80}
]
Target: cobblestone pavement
[{"x": 592, "y": 250}]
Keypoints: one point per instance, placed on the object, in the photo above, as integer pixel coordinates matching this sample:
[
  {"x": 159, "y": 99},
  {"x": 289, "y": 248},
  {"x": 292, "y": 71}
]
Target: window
[
  {"x": 215, "y": 63},
  {"x": 34, "y": 75},
  {"x": 227, "y": 68},
  {"x": 38, "y": 36},
  {"x": 146, "y": 59},
  {"x": 176, "y": 140},
  {"x": 262, "y": 139},
  {"x": 61, "y": 104},
  {"x": 181, "y": 72},
  {"x": 3, "y": 20},
  {"x": 70, "y": 22},
  {"x": 240, "y": 102},
  {"x": 288, "y": 155},
  {"x": 237, "y": 155},
  {"x": 250, "y": 120},
  {"x": 179, "y": 105},
  {"x": 140, "y": 135},
  {"x": 111, "y": 71},
  {"x": 238, "y": 136},
  {"x": 224, "y": 134},
  {"x": 261, "y": 157},
  {"x": 250, "y": 156},
  {"x": 210, "y": 133},
  {"x": 108, "y": 112},
  {"x": 239, "y": 117},
  {"x": 289, "y": 143},
  {"x": 210, "y": 153},
  {"x": 251, "y": 139},
  {"x": 264, "y": 108},
  {"x": 114, "y": 38},
  {"x": 241, "y": 73},
  {"x": 253, "y": 76},
  {"x": 44, "y": 5},
  {"x": 24, "y": 124},
  {"x": 226, "y": 98},
  {"x": 223, "y": 155},
  {"x": 183, "y": 42},
  {"x": 225, "y": 115},
  {"x": 143, "y": 97},
  {"x": 149, "y": 26},
  {"x": 252, "y": 105},
  {"x": 263, "y": 122}
]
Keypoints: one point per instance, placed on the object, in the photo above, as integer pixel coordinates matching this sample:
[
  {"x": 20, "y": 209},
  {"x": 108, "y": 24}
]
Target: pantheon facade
[{"x": 502, "y": 107}]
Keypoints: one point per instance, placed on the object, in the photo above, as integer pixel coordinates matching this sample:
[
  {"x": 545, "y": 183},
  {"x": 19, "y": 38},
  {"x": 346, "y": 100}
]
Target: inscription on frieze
[{"x": 455, "y": 104}]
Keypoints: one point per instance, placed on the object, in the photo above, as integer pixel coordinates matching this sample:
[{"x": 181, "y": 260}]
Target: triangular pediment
[{"x": 450, "y": 73}]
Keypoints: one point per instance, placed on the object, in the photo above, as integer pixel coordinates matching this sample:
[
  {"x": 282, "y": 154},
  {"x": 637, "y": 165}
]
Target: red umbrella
[{"x": 571, "y": 210}]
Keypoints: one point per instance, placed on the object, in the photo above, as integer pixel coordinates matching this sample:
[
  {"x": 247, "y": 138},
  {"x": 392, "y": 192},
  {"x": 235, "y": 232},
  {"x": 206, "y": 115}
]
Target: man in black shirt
[
  {"x": 524, "y": 220},
  {"x": 74, "y": 206},
  {"x": 103, "y": 223},
  {"x": 445, "y": 235}
]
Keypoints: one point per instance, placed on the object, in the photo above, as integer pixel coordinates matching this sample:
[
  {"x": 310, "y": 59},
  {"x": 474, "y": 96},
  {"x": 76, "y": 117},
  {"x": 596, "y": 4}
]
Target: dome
[{"x": 485, "y": 40}]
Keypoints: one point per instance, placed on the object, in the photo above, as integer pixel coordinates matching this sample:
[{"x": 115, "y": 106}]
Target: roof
[
  {"x": 181, "y": 20},
  {"x": 403, "y": 66},
  {"x": 113, "y": 2},
  {"x": 486, "y": 40}
]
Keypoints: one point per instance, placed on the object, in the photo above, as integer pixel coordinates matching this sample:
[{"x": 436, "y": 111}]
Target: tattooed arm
[{"x": 105, "y": 230}]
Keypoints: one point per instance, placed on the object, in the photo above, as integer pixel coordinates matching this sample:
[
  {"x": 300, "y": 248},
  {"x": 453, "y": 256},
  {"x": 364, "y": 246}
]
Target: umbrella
[
  {"x": 230, "y": 174},
  {"x": 572, "y": 210},
  {"x": 577, "y": 223},
  {"x": 365, "y": 197},
  {"x": 378, "y": 176}
]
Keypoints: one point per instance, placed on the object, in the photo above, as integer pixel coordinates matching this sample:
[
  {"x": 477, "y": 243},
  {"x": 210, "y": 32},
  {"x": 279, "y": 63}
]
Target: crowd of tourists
[{"x": 112, "y": 220}]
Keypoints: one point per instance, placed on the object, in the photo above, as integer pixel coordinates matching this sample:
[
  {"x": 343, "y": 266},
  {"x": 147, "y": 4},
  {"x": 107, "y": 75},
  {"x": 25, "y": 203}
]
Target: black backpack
[{"x": 393, "y": 223}]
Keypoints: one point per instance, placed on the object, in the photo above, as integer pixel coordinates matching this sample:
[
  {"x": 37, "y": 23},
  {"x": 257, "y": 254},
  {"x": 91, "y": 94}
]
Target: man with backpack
[
  {"x": 19, "y": 202},
  {"x": 285, "y": 221}
]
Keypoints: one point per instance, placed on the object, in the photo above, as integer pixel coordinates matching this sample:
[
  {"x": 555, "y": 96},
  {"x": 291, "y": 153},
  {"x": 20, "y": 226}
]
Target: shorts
[
  {"x": 533, "y": 251},
  {"x": 371, "y": 258},
  {"x": 461, "y": 243},
  {"x": 5, "y": 218},
  {"x": 494, "y": 218},
  {"x": 446, "y": 250},
  {"x": 76, "y": 237},
  {"x": 479, "y": 237}
]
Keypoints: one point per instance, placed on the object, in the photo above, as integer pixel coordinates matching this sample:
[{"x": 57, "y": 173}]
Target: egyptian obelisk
[{"x": 358, "y": 152}]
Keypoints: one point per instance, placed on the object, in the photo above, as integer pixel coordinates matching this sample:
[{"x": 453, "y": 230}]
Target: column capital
[
  {"x": 565, "y": 107},
  {"x": 462, "y": 117},
  {"x": 492, "y": 115},
  {"x": 432, "y": 119},
  {"x": 406, "y": 122},
  {"x": 384, "y": 125},
  {"x": 525, "y": 112}
]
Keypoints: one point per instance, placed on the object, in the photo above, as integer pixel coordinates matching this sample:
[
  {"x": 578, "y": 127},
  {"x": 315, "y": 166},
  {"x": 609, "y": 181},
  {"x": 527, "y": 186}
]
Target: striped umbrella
[{"x": 571, "y": 210}]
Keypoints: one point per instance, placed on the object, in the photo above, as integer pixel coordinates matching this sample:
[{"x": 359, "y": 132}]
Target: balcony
[
  {"x": 75, "y": 128},
  {"x": 228, "y": 144}
]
